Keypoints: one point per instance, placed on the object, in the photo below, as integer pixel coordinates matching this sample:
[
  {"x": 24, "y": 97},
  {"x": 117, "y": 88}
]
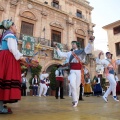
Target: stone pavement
[{"x": 48, "y": 108}]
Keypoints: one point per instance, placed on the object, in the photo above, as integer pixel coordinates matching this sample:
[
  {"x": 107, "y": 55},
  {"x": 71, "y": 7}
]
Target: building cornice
[
  {"x": 111, "y": 25},
  {"x": 83, "y": 3},
  {"x": 57, "y": 10}
]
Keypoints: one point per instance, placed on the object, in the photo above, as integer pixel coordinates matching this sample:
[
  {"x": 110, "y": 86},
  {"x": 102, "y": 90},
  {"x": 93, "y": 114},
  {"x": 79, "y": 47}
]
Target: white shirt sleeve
[
  {"x": 116, "y": 78},
  {"x": 88, "y": 48},
  {"x": 32, "y": 81},
  {"x": 62, "y": 54},
  {"x": 98, "y": 80},
  {"x": 12, "y": 46},
  {"x": 57, "y": 73},
  {"x": 118, "y": 62},
  {"x": 88, "y": 81}
]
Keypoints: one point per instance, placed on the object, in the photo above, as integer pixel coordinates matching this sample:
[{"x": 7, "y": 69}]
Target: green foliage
[
  {"x": 53, "y": 78},
  {"x": 36, "y": 70}
]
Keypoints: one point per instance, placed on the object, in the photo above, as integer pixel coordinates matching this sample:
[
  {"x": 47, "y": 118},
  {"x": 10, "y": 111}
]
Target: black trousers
[
  {"x": 59, "y": 84},
  {"x": 81, "y": 90},
  {"x": 23, "y": 89}
]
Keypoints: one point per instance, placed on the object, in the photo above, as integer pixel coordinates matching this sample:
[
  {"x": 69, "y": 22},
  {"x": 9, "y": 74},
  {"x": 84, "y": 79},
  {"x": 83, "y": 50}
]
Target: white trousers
[
  {"x": 70, "y": 91},
  {"x": 43, "y": 89},
  {"x": 112, "y": 87},
  {"x": 75, "y": 81}
]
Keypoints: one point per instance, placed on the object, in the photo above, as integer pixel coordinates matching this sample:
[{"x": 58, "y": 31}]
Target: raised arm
[
  {"x": 62, "y": 54},
  {"x": 88, "y": 48},
  {"x": 99, "y": 61}
]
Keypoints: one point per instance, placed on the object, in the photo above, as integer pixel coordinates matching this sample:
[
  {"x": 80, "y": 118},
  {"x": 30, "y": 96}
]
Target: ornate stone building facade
[{"x": 50, "y": 21}]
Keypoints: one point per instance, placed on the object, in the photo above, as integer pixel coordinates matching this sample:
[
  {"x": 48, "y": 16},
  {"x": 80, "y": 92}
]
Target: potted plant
[{"x": 53, "y": 81}]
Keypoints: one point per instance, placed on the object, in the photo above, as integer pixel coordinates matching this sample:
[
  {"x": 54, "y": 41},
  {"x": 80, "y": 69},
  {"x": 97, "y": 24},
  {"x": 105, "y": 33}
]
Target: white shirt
[
  {"x": 36, "y": 81},
  {"x": 88, "y": 81},
  {"x": 24, "y": 80},
  {"x": 116, "y": 78},
  {"x": 43, "y": 76},
  {"x": 88, "y": 50},
  {"x": 13, "y": 48},
  {"x": 105, "y": 62},
  {"x": 57, "y": 73}
]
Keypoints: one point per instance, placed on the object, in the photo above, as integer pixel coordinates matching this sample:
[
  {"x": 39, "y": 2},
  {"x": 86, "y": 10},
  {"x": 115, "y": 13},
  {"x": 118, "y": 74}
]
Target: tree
[{"x": 53, "y": 78}]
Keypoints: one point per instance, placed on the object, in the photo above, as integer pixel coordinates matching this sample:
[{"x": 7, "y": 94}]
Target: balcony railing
[
  {"x": 56, "y": 5},
  {"x": 42, "y": 41}
]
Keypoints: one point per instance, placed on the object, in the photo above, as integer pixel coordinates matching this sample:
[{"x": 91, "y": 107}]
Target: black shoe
[
  {"x": 81, "y": 99},
  {"x": 62, "y": 98},
  {"x": 56, "y": 97}
]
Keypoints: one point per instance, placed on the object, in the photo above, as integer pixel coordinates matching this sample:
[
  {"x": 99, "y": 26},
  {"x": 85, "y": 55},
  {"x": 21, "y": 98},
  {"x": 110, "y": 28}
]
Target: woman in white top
[{"x": 10, "y": 70}]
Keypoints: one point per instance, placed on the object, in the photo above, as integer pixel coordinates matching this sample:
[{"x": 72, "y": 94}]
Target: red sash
[{"x": 80, "y": 65}]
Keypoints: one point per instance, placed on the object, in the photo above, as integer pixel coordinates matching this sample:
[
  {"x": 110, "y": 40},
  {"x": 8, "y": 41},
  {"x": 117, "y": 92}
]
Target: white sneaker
[
  {"x": 105, "y": 99},
  {"x": 39, "y": 95},
  {"x": 115, "y": 98},
  {"x": 75, "y": 104},
  {"x": 44, "y": 95}
]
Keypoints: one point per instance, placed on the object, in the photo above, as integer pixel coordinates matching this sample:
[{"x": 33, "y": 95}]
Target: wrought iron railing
[{"x": 42, "y": 41}]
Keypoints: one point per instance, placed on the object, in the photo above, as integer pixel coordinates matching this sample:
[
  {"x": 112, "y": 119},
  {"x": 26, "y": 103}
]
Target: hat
[
  {"x": 108, "y": 53},
  {"x": 77, "y": 43},
  {"x": 6, "y": 24},
  {"x": 59, "y": 66}
]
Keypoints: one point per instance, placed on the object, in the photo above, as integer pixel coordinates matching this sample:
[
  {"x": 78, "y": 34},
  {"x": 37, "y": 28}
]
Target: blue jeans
[{"x": 35, "y": 90}]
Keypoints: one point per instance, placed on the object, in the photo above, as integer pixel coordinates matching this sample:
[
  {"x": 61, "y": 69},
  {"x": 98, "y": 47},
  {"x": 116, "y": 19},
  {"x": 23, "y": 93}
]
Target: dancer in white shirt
[
  {"x": 76, "y": 58},
  {"x": 110, "y": 66},
  {"x": 43, "y": 86}
]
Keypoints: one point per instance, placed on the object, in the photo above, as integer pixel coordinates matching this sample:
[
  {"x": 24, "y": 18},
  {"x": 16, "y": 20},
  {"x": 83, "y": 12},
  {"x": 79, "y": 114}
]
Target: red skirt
[{"x": 10, "y": 77}]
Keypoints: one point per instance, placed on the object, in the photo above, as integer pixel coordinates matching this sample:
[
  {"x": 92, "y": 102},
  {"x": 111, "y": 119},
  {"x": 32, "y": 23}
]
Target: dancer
[
  {"x": 43, "y": 86},
  {"x": 48, "y": 86},
  {"x": 59, "y": 81},
  {"x": 76, "y": 58},
  {"x": 110, "y": 66},
  {"x": 10, "y": 70},
  {"x": 24, "y": 86}
]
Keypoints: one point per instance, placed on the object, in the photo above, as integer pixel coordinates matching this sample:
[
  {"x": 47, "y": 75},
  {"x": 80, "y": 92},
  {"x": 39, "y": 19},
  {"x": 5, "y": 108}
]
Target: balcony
[
  {"x": 55, "y": 5},
  {"x": 42, "y": 41}
]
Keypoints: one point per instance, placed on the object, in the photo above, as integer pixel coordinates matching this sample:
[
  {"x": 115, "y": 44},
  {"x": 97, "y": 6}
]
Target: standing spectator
[
  {"x": 35, "y": 82},
  {"x": 48, "y": 86},
  {"x": 60, "y": 81},
  {"x": 118, "y": 84},
  {"x": 97, "y": 87},
  {"x": 87, "y": 86},
  {"x": 24, "y": 86}
]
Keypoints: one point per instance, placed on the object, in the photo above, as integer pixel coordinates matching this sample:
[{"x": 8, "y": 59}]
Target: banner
[
  {"x": 28, "y": 44},
  {"x": 55, "y": 54}
]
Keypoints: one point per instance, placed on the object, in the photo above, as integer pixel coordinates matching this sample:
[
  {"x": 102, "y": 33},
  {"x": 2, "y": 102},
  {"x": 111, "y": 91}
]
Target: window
[
  {"x": 81, "y": 41},
  {"x": 27, "y": 28},
  {"x": 117, "y": 48},
  {"x": 55, "y": 36},
  {"x": 116, "y": 30},
  {"x": 55, "y": 4},
  {"x": 79, "y": 14}
]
